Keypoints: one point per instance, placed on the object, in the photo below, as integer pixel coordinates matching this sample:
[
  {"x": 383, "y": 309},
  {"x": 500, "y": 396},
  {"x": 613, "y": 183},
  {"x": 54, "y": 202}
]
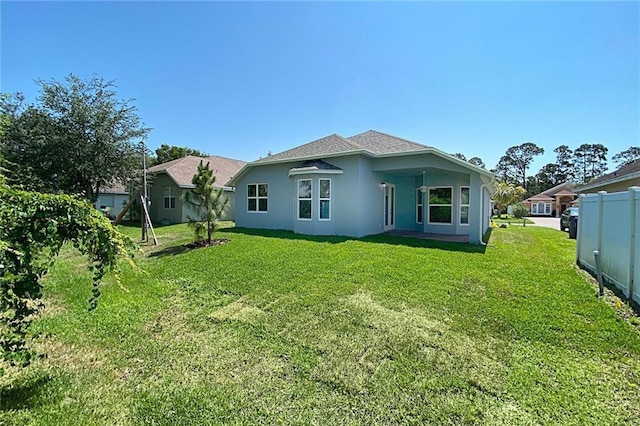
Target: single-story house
[
  {"x": 364, "y": 184},
  {"x": 170, "y": 180},
  {"x": 112, "y": 200},
  {"x": 617, "y": 181},
  {"x": 553, "y": 201}
]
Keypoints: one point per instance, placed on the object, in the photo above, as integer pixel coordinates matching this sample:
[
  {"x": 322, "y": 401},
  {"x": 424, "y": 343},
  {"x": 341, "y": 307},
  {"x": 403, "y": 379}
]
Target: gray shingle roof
[
  {"x": 331, "y": 144},
  {"x": 382, "y": 143},
  {"x": 629, "y": 169},
  {"x": 371, "y": 141},
  {"x": 183, "y": 169}
]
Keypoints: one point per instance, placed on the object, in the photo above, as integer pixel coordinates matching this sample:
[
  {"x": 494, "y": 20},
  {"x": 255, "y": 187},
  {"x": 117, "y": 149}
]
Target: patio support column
[{"x": 475, "y": 205}]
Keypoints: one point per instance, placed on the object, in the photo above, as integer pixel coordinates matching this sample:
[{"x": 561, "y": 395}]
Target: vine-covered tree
[
  {"x": 170, "y": 152},
  {"x": 627, "y": 156},
  {"x": 506, "y": 194},
  {"x": 33, "y": 228},
  {"x": 78, "y": 137},
  {"x": 208, "y": 202},
  {"x": 591, "y": 162}
]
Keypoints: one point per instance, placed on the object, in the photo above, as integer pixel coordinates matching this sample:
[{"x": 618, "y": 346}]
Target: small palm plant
[{"x": 207, "y": 202}]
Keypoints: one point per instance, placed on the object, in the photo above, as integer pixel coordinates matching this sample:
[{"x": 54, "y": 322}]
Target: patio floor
[{"x": 427, "y": 236}]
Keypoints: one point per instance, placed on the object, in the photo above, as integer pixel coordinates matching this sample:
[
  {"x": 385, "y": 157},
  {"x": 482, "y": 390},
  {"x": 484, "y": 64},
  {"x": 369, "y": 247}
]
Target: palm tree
[{"x": 506, "y": 194}]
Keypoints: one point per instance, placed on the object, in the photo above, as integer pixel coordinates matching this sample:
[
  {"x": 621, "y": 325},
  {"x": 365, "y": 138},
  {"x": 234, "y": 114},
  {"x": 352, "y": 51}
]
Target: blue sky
[{"x": 242, "y": 79}]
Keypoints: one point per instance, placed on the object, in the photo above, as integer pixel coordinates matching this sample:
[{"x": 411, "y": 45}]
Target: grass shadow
[
  {"x": 24, "y": 396},
  {"x": 377, "y": 239},
  {"x": 169, "y": 251}
]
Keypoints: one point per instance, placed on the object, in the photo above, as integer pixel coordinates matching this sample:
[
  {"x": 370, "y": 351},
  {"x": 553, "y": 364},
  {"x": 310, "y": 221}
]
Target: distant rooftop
[{"x": 182, "y": 170}]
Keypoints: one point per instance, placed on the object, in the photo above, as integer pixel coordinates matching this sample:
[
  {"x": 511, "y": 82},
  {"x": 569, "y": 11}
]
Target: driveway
[{"x": 547, "y": 222}]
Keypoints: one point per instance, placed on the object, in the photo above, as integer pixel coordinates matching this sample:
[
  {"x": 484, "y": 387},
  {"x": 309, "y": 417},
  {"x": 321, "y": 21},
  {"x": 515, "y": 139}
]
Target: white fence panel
[
  {"x": 588, "y": 224},
  {"x": 609, "y": 223},
  {"x": 635, "y": 270},
  {"x": 615, "y": 245}
]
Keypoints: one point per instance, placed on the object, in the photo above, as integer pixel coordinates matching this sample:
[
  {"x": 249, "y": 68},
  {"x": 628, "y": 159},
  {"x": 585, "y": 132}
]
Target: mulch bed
[{"x": 204, "y": 243}]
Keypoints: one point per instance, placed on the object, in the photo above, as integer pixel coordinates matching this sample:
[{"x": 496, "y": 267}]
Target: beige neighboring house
[
  {"x": 553, "y": 201},
  {"x": 112, "y": 200},
  {"x": 172, "y": 179},
  {"x": 617, "y": 181}
]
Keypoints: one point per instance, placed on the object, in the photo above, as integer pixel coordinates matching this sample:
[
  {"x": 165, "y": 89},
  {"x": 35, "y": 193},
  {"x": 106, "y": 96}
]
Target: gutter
[{"x": 482, "y": 187}]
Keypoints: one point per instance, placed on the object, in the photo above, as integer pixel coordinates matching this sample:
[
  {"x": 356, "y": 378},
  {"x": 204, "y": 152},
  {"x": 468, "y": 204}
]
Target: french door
[{"x": 389, "y": 206}]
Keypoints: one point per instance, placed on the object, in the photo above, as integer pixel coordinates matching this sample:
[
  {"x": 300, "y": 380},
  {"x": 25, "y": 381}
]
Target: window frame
[
  {"x": 171, "y": 197},
  {"x": 309, "y": 199},
  {"x": 429, "y": 205},
  {"x": 419, "y": 206},
  {"x": 468, "y": 206},
  {"x": 257, "y": 198},
  {"x": 321, "y": 199}
]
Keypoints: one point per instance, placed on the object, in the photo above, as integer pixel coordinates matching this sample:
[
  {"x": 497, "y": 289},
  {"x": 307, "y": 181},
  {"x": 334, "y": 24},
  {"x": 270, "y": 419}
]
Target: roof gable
[
  {"x": 371, "y": 143},
  {"x": 182, "y": 170}
]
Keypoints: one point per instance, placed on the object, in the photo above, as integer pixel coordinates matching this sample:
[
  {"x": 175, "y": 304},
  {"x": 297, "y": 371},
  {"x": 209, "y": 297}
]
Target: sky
[{"x": 244, "y": 79}]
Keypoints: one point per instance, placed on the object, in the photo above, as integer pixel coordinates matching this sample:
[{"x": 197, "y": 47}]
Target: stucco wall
[
  {"x": 357, "y": 196},
  {"x": 187, "y": 210},
  {"x": 157, "y": 211},
  {"x": 113, "y": 201}
]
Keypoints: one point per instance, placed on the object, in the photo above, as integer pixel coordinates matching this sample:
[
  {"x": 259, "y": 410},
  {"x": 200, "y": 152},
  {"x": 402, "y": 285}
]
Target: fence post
[
  {"x": 633, "y": 191},
  {"x": 581, "y": 198},
  {"x": 601, "y": 195}
]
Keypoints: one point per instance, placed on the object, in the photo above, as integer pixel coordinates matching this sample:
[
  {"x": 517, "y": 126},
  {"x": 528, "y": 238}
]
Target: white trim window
[
  {"x": 257, "y": 198},
  {"x": 324, "y": 203},
  {"x": 305, "y": 191},
  {"x": 464, "y": 205},
  {"x": 541, "y": 208},
  {"x": 419, "y": 206},
  {"x": 169, "y": 198},
  {"x": 441, "y": 205}
]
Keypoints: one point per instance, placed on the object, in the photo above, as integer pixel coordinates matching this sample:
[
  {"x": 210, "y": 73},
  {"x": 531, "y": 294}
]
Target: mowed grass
[{"x": 277, "y": 328}]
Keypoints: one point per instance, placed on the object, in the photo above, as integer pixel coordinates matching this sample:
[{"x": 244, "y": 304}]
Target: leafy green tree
[
  {"x": 208, "y": 203},
  {"x": 78, "y": 138},
  {"x": 460, "y": 156},
  {"x": 167, "y": 153},
  {"x": 506, "y": 194},
  {"x": 627, "y": 156},
  {"x": 549, "y": 176},
  {"x": 520, "y": 211},
  {"x": 591, "y": 161},
  {"x": 33, "y": 228},
  {"x": 477, "y": 161},
  {"x": 565, "y": 160},
  {"x": 513, "y": 166}
]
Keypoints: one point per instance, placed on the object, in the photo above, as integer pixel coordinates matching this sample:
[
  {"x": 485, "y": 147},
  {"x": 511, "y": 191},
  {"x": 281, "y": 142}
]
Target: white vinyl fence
[{"x": 609, "y": 223}]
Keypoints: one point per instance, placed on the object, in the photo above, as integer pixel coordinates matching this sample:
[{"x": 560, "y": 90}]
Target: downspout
[{"x": 482, "y": 187}]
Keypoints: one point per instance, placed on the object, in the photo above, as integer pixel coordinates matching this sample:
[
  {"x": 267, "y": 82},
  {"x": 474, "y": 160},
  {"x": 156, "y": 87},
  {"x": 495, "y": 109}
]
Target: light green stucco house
[
  {"x": 170, "y": 180},
  {"x": 364, "y": 184}
]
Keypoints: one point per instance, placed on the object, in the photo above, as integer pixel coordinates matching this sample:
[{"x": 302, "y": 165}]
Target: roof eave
[
  {"x": 427, "y": 150},
  {"x": 608, "y": 182}
]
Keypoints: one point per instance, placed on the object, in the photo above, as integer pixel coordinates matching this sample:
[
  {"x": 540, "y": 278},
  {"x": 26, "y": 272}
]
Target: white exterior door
[{"x": 389, "y": 206}]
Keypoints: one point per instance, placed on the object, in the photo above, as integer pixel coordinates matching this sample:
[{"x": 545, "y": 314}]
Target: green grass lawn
[
  {"x": 505, "y": 218},
  {"x": 274, "y": 327}
]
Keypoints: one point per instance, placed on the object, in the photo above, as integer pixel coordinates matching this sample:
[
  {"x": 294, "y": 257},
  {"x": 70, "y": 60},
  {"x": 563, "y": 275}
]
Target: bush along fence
[{"x": 607, "y": 228}]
